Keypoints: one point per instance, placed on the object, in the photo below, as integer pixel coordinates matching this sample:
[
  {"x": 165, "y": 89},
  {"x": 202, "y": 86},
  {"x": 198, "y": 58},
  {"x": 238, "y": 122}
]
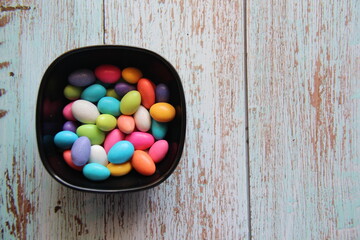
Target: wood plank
[
  {"x": 304, "y": 111},
  {"x": 206, "y": 197},
  {"x": 32, "y": 35}
]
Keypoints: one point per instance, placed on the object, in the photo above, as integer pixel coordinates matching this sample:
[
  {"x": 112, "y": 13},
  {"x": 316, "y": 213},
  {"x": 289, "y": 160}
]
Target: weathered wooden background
[{"x": 288, "y": 71}]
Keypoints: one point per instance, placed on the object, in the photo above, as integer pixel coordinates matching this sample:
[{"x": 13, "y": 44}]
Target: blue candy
[
  {"x": 93, "y": 93},
  {"x": 158, "y": 129},
  {"x": 65, "y": 139},
  {"x": 96, "y": 172},
  {"x": 121, "y": 152},
  {"x": 109, "y": 105}
]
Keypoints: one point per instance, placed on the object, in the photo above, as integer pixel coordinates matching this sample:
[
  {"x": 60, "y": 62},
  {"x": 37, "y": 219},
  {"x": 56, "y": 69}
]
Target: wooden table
[{"x": 273, "y": 104}]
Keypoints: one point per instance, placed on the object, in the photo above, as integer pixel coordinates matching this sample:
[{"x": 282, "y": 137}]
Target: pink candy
[
  {"x": 68, "y": 113},
  {"x": 113, "y": 137},
  {"x": 158, "y": 150},
  {"x": 140, "y": 140}
]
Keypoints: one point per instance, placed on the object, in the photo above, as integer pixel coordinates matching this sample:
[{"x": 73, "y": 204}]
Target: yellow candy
[
  {"x": 131, "y": 75},
  {"x": 106, "y": 122},
  {"x": 72, "y": 92},
  {"x": 118, "y": 170},
  {"x": 112, "y": 93},
  {"x": 162, "y": 112}
]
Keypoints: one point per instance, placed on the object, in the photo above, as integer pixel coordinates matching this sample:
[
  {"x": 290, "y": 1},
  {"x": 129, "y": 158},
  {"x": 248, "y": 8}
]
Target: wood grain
[
  {"x": 206, "y": 198},
  {"x": 303, "y": 76},
  {"x": 32, "y": 35},
  {"x": 303, "y": 86}
]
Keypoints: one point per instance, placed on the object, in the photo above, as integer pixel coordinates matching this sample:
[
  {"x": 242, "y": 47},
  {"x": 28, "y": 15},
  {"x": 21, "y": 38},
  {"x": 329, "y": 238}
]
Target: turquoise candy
[
  {"x": 65, "y": 139},
  {"x": 96, "y": 172},
  {"x": 109, "y": 105},
  {"x": 158, "y": 129},
  {"x": 121, "y": 152},
  {"x": 93, "y": 93}
]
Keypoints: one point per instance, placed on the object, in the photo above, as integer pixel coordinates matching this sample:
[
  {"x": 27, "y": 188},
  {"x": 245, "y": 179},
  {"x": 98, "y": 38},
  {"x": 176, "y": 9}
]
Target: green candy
[
  {"x": 72, "y": 92},
  {"x": 106, "y": 122},
  {"x": 91, "y": 131},
  {"x": 130, "y": 103},
  {"x": 111, "y": 93}
]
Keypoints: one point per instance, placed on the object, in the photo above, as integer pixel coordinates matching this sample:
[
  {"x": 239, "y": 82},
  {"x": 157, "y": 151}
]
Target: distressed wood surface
[
  {"x": 32, "y": 35},
  {"x": 303, "y": 71},
  {"x": 304, "y": 118},
  {"x": 206, "y": 198}
]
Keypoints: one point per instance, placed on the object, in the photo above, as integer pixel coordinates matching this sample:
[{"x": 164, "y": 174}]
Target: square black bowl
[{"x": 51, "y": 100}]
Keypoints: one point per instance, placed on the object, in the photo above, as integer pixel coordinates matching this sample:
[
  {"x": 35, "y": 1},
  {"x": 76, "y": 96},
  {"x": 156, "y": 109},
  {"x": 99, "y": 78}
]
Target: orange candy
[
  {"x": 147, "y": 91},
  {"x": 131, "y": 75},
  {"x": 68, "y": 160},
  {"x": 162, "y": 112},
  {"x": 126, "y": 124},
  {"x": 143, "y": 163}
]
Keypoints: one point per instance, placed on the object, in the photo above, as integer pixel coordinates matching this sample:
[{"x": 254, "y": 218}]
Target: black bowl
[{"x": 49, "y": 118}]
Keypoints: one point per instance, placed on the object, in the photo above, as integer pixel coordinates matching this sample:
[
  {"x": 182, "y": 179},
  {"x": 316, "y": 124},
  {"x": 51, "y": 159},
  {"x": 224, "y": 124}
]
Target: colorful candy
[
  {"x": 118, "y": 170},
  {"x": 70, "y": 126},
  {"x": 65, "y": 139},
  {"x": 106, "y": 122},
  {"x": 121, "y": 152},
  {"x": 72, "y": 92},
  {"x": 80, "y": 151},
  {"x": 162, "y": 112},
  {"x": 68, "y": 159},
  {"x": 158, "y": 150},
  {"x": 113, "y": 137},
  {"x": 109, "y": 105},
  {"x": 142, "y": 119},
  {"x": 67, "y": 112},
  {"x": 162, "y": 93},
  {"x": 142, "y": 163},
  {"x": 147, "y": 91},
  {"x": 115, "y": 126},
  {"x": 84, "y": 111},
  {"x": 96, "y": 172},
  {"x": 91, "y": 131},
  {"x": 98, "y": 155},
  {"x": 126, "y": 124},
  {"x": 81, "y": 77},
  {"x": 123, "y": 88},
  {"x": 131, "y": 75},
  {"x": 130, "y": 103},
  {"x": 140, "y": 140},
  {"x": 108, "y": 73},
  {"x": 93, "y": 93},
  {"x": 158, "y": 129}
]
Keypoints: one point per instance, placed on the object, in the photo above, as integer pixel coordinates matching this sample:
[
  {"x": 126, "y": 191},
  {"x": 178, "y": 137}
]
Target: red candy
[
  {"x": 147, "y": 91},
  {"x": 68, "y": 159},
  {"x": 108, "y": 73}
]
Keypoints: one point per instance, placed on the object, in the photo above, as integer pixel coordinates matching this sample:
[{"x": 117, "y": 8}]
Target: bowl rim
[{"x": 40, "y": 93}]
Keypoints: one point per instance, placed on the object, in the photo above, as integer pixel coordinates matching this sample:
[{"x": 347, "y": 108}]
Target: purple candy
[
  {"x": 123, "y": 88},
  {"x": 80, "y": 151},
  {"x": 162, "y": 93},
  {"x": 81, "y": 78},
  {"x": 70, "y": 126}
]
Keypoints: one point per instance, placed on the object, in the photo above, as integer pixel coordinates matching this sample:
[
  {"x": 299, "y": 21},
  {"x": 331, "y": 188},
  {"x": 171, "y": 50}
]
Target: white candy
[
  {"x": 142, "y": 119},
  {"x": 98, "y": 155},
  {"x": 85, "y": 111}
]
